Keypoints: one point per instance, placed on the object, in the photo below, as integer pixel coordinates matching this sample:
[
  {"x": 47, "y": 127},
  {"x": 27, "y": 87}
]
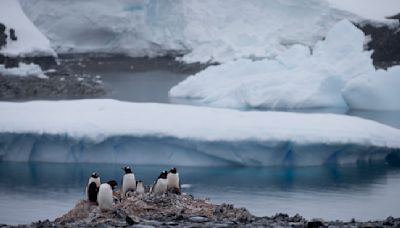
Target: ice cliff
[
  {"x": 110, "y": 131},
  {"x": 202, "y": 30}
]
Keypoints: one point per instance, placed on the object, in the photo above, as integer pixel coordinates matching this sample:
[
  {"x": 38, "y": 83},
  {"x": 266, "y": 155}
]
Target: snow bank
[
  {"x": 375, "y": 10},
  {"x": 23, "y": 70},
  {"x": 295, "y": 79},
  {"x": 204, "y": 31},
  {"x": 31, "y": 42},
  {"x": 377, "y": 90},
  {"x": 113, "y": 132}
]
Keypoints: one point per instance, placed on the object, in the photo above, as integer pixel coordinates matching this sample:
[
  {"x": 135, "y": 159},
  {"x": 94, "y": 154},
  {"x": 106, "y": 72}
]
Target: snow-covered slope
[
  {"x": 30, "y": 42},
  {"x": 205, "y": 30},
  {"x": 376, "y": 10},
  {"x": 295, "y": 79},
  {"x": 111, "y": 131}
]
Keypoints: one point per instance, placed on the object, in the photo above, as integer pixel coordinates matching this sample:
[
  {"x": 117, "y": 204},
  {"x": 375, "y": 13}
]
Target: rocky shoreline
[{"x": 171, "y": 210}]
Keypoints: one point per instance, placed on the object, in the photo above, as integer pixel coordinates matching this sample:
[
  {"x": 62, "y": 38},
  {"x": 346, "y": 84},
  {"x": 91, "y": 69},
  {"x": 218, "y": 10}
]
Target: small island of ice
[{"x": 110, "y": 131}]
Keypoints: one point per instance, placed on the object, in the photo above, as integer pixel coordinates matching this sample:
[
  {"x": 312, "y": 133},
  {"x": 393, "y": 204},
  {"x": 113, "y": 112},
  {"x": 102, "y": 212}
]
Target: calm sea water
[
  {"x": 33, "y": 191},
  {"x": 36, "y": 191}
]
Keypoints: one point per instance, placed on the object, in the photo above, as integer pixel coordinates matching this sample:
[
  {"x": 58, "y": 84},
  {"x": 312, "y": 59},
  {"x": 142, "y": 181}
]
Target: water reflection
[
  {"x": 59, "y": 176},
  {"x": 330, "y": 192}
]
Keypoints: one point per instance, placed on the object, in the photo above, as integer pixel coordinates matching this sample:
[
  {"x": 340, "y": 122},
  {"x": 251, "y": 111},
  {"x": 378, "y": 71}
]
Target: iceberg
[
  {"x": 203, "y": 31},
  {"x": 30, "y": 41},
  {"x": 378, "y": 90},
  {"x": 110, "y": 131},
  {"x": 298, "y": 78}
]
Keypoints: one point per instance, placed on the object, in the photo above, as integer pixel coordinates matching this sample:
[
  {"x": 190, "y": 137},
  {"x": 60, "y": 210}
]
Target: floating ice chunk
[
  {"x": 110, "y": 131},
  {"x": 295, "y": 79},
  {"x": 375, "y": 91}
]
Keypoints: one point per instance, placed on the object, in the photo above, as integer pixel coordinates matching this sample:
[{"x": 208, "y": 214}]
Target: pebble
[{"x": 198, "y": 219}]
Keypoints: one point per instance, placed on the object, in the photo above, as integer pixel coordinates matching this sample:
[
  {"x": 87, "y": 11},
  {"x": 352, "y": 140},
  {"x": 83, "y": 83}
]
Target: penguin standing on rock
[
  {"x": 128, "y": 182},
  {"x": 173, "y": 181},
  {"x": 161, "y": 184},
  {"x": 105, "y": 197},
  {"x": 92, "y": 187},
  {"x": 140, "y": 187}
]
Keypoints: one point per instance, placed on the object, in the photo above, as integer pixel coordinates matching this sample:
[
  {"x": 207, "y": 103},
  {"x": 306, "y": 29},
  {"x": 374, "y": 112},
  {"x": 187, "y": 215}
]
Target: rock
[
  {"x": 385, "y": 43},
  {"x": 129, "y": 220},
  {"x": 3, "y": 36},
  {"x": 13, "y": 37},
  {"x": 173, "y": 210},
  {"x": 198, "y": 219},
  {"x": 296, "y": 218},
  {"x": 315, "y": 224}
]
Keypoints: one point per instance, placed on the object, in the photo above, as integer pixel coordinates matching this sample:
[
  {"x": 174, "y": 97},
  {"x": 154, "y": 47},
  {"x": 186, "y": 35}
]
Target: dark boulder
[
  {"x": 385, "y": 42},
  {"x": 13, "y": 37},
  {"x": 3, "y": 35}
]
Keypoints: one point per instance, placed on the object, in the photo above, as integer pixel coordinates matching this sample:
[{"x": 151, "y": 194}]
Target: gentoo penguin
[
  {"x": 105, "y": 197},
  {"x": 160, "y": 185},
  {"x": 173, "y": 181},
  {"x": 92, "y": 187},
  {"x": 128, "y": 182},
  {"x": 140, "y": 187}
]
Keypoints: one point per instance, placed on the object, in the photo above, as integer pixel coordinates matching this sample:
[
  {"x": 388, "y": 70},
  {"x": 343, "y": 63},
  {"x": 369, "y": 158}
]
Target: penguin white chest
[
  {"x": 128, "y": 183},
  {"x": 140, "y": 188},
  {"x": 105, "y": 197},
  {"x": 173, "y": 180},
  {"x": 160, "y": 187}
]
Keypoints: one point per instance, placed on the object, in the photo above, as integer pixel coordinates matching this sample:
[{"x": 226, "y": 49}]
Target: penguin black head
[
  {"x": 163, "y": 175},
  {"x": 112, "y": 183},
  {"x": 127, "y": 169},
  {"x": 95, "y": 175},
  {"x": 173, "y": 170}
]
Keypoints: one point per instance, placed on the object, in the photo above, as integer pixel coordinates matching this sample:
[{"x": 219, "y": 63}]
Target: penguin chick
[
  {"x": 105, "y": 196},
  {"x": 161, "y": 184},
  {"x": 92, "y": 187},
  {"x": 173, "y": 181},
  {"x": 128, "y": 182},
  {"x": 140, "y": 187}
]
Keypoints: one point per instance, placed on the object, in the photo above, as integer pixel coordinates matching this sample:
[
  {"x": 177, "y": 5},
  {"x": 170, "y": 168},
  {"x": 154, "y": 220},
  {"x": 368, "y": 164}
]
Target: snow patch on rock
[
  {"x": 30, "y": 41},
  {"x": 23, "y": 70}
]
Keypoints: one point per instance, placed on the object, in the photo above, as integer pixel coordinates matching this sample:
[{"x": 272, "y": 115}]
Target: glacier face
[
  {"x": 110, "y": 131},
  {"x": 202, "y": 30}
]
